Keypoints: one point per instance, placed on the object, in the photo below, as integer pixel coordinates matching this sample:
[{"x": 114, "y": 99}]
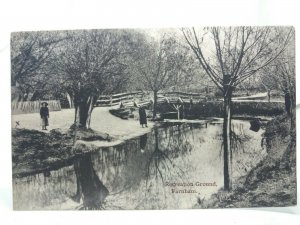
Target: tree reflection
[
  {"x": 240, "y": 146},
  {"x": 160, "y": 164},
  {"x": 179, "y": 143},
  {"x": 140, "y": 166},
  {"x": 89, "y": 187}
]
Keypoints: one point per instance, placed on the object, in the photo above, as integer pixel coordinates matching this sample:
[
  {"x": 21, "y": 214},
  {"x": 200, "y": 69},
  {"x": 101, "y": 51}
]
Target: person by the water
[
  {"x": 269, "y": 95},
  {"x": 143, "y": 116},
  {"x": 288, "y": 103},
  {"x": 191, "y": 102},
  {"x": 44, "y": 112}
]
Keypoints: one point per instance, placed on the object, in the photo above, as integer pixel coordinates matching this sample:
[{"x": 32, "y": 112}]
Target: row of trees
[{"x": 86, "y": 64}]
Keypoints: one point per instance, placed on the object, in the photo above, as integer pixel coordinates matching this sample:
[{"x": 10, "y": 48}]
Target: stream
[{"x": 172, "y": 167}]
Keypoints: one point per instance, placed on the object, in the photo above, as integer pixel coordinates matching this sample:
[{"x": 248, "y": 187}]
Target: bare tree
[
  {"x": 229, "y": 56},
  {"x": 161, "y": 66},
  {"x": 281, "y": 75}
]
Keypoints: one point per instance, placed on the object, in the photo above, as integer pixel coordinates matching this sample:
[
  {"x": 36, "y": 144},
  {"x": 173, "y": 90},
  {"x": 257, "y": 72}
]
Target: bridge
[
  {"x": 257, "y": 104},
  {"x": 129, "y": 99}
]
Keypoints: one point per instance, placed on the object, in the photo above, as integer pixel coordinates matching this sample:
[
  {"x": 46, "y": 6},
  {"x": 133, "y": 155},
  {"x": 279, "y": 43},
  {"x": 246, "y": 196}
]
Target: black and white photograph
[{"x": 153, "y": 118}]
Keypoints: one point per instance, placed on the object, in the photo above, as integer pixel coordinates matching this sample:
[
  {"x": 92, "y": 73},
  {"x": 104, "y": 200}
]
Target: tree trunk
[
  {"x": 25, "y": 96},
  {"x": 35, "y": 96},
  {"x": 293, "y": 111},
  {"x": 227, "y": 141},
  {"x": 76, "y": 117},
  {"x": 154, "y": 104},
  {"x": 89, "y": 113},
  {"x": 83, "y": 112},
  {"x": 70, "y": 100}
]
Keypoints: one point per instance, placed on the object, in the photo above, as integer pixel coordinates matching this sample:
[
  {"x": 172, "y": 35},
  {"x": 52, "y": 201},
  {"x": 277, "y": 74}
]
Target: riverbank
[
  {"x": 35, "y": 150},
  {"x": 273, "y": 181}
]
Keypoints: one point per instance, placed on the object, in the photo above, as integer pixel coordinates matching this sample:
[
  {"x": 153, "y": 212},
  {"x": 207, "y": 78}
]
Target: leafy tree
[
  {"x": 31, "y": 57},
  {"x": 92, "y": 63}
]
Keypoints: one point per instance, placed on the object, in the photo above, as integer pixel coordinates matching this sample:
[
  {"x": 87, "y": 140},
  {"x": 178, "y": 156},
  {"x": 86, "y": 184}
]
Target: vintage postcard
[{"x": 178, "y": 118}]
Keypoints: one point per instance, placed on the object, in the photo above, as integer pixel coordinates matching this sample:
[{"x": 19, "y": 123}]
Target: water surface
[{"x": 172, "y": 167}]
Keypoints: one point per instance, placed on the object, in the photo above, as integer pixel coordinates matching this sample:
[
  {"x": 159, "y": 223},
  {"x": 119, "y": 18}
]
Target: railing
[
  {"x": 33, "y": 106},
  {"x": 142, "y": 98},
  {"x": 126, "y": 98},
  {"x": 184, "y": 96}
]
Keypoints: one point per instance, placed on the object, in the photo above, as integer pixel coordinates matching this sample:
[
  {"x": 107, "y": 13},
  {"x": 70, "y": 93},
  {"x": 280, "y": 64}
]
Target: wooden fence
[
  {"x": 126, "y": 98},
  {"x": 142, "y": 98},
  {"x": 33, "y": 106}
]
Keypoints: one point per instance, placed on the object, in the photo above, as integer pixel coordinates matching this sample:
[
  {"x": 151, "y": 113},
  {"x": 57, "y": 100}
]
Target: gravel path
[{"x": 102, "y": 121}]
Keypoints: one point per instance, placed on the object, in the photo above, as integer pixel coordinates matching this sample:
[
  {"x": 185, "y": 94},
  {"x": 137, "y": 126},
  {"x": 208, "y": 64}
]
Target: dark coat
[
  {"x": 143, "y": 116},
  {"x": 44, "y": 112}
]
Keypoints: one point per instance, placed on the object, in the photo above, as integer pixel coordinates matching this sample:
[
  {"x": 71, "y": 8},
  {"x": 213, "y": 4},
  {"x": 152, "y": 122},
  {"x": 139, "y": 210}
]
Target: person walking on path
[
  {"x": 44, "y": 112},
  {"x": 143, "y": 116}
]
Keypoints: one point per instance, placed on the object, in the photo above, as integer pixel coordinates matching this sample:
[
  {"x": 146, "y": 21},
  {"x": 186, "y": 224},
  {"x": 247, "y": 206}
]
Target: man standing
[{"x": 44, "y": 112}]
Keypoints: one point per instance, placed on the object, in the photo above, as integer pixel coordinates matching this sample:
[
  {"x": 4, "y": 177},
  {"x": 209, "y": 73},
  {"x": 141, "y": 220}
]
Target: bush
[{"x": 215, "y": 109}]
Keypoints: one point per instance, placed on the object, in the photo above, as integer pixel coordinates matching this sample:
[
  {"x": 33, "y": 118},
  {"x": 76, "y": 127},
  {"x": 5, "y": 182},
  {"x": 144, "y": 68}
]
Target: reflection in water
[
  {"x": 159, "y": 164},
  {"x": 89, "y": 186},
  {"x": 143, "y": 142},
  {"x": 238, "y": 139},
  {"x": 135, "y": 173}
]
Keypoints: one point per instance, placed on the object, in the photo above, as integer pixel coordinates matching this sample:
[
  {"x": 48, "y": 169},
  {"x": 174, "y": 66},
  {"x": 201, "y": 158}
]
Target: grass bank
[
  {"x": 273, "y": 181},
  {"x": 215, "y": 109},
  {"x": 35, "y": 151}
]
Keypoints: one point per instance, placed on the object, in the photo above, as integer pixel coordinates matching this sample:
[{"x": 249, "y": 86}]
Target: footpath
[{"x": 102, "y": 121}]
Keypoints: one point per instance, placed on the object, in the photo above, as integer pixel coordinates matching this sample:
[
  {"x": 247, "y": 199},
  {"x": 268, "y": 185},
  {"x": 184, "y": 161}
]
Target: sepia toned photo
[{"x": 172, "y": 118}]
